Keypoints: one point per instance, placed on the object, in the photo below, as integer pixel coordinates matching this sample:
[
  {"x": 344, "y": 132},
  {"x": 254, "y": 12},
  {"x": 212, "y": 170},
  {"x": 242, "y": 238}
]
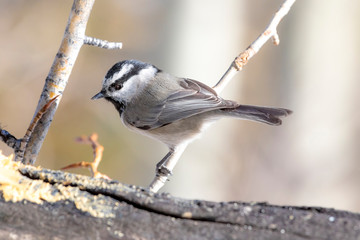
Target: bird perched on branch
[{"x": 170, "y": 109}]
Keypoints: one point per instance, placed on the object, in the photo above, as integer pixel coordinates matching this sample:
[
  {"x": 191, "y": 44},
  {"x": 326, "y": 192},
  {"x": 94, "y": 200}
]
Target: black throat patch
[{"x": 120, "y": 106}]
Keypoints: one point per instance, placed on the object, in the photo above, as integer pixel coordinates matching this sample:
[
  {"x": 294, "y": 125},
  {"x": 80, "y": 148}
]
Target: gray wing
[{"x": 194, "y": 98}]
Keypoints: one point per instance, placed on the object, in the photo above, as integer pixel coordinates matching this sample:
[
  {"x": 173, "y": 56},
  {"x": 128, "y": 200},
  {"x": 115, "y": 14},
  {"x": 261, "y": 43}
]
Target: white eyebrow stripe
[
  {"x": 124, "y": 70},
  {"x": 136, "y": 83}
]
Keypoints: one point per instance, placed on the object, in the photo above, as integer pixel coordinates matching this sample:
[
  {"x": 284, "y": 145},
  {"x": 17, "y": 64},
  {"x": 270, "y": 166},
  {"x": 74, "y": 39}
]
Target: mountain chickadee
[{"x": 170, "y": 109}]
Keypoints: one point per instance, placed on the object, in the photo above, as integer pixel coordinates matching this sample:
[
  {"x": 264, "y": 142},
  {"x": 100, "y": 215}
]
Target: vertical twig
[
  {"x": 27, "y": 148},
  {"x": 58, "y": 76}
]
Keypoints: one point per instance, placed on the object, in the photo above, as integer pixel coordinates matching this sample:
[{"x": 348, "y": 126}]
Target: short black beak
[{"x": 98, "y": 95}]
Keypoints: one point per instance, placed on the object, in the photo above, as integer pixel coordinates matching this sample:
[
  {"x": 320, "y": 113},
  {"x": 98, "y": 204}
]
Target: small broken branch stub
[{"x": 102, "y": 43}]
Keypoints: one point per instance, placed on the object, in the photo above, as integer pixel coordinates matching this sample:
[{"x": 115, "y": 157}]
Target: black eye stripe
[{"x": 137, "y": 67}]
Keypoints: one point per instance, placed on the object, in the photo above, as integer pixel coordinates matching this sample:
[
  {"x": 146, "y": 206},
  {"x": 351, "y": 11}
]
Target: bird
[{"x": 172, "y": 110}]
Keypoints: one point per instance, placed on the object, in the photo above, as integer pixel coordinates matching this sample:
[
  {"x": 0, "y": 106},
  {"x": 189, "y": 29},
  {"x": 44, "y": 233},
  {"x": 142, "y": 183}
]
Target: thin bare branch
[
  {"x": 242, "y": 59},
  {"x": 9, "y": 139},
  {"x": 98, "y": 151},
  {"x": 102, "y": 43}
]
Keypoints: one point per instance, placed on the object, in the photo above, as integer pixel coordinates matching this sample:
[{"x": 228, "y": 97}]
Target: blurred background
[{"x": 312, "y": 159}]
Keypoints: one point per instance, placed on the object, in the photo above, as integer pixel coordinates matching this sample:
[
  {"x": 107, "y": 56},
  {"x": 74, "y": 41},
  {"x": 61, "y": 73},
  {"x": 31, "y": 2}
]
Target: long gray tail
[{"x": 260, "y": 114}]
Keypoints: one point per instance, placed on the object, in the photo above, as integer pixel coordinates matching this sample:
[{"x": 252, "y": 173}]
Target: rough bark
[
  {"x": 58, "y": 76},
  {"x": 60, "y": 205}
]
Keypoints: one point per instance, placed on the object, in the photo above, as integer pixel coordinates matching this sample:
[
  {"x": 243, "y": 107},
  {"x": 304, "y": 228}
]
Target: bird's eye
[{"x": 116, "y": 86}]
